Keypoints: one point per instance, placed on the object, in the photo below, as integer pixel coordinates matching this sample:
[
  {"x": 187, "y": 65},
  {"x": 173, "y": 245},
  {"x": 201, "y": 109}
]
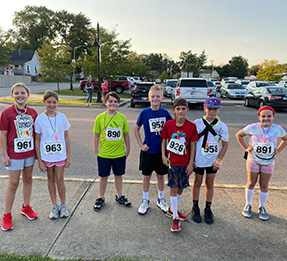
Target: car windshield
[
  {"x": 277, "y": 90},
  {"x": 143, "y": 87},
  {"x": 210, "y": 84},
  {"x": 193, "y": 83},
  {"x": 235, "y": 86},
  {"x": 260, "y": 84},
  {"x": 171, "y": 83},
  {"x": 244, "y": 82}
]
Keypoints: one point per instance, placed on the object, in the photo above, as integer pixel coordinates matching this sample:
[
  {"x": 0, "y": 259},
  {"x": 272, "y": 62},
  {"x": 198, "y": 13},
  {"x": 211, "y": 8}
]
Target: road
[{"x": 233, "y": 169}]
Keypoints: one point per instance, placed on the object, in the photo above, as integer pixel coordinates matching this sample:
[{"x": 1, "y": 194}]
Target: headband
[{"x": 266, "y": 108}]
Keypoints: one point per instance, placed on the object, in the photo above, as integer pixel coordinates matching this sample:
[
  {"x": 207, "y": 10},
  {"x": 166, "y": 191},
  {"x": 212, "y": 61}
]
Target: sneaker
[
  {"x": 54, "y": 212},
  {"x": 175, "y": 226},
  {"x": 195, "y": 216},
  {"x": 208, "y": 216},
  {"x": 263, "y": 214},
  {"x": 7, "y": 222},
  {"x": 28, "y": 212},
  {"x": 64, "y": 213},
  {"x": 246, "y": 212},
  {"x": 161, "y": 203},
  {"x": 181, "y": 216},
  {"x": 143, "y": 207},
  {"x": 99, "y": 203},
  {"x": 123, "y": 201}
]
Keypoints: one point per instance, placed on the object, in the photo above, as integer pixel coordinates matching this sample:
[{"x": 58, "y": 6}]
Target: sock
[
  {"x": 160, "y": 194},
  {"x": 173, "y": 203},
  {"x": 263, "y": 196},
  {"x": 195, "y": 203},
  {"x": 249, "y": 195},
  {"x": 208, "y": 204},
  {"x": 119, "y": 195},
  {"x": 145, "y": 195},
  {"x": 178, "y": 198}
]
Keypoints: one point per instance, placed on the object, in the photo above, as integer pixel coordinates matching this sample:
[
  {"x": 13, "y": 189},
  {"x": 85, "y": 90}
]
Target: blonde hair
[
  {"x": 155, "y": 88},
  {"x": 19, "y": 84},
  {"x": 49, "y": 94}
]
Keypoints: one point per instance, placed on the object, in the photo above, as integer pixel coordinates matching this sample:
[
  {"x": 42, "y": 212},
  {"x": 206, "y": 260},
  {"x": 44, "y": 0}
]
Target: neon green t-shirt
[{"x": 111, "y": 130}]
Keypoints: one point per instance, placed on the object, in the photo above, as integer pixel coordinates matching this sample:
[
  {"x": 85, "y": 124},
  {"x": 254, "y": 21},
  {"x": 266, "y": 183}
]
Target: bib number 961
[{"x": 23, "y": 145}]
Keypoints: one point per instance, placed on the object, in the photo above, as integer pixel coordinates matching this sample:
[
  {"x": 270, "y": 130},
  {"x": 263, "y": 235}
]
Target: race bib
[
  {"x": 113, "y": 133},
  {"x": 156, "y": 124},
  {"x": 212, "y": 149},
  {"x": 176, "y": 146},
  {"x": 23, "y": 144},
  {"x": 264, "y": 150},
  {"x": 53, "y": 147}
]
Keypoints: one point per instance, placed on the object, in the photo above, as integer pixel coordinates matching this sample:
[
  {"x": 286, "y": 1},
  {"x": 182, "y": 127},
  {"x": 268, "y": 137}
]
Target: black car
[
  {"x": 139, "y": 93},
  {"x": 273, "y": 96}
]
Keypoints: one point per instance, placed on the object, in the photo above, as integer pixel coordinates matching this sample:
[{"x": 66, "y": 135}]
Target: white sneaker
[
  {"x": 64, "y": 211},
  {"x": 143, "y": 207},
  {"x": 54, "y": 212},
  {"x": 161, "y": 203}
]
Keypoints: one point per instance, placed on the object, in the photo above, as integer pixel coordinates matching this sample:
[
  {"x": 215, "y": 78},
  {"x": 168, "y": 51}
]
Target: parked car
[
  {"x": 194, "y": 90},
  {"x": 139, "y": 93},
  {"x": 244, "y": 83},
  {"x": 137, "y": 79},
  {"x": 223, "y": 81},
  {"x": 233, "y": 90},
  {"x": 256, "y": 84},
  {"x": 158, "y": 81},
  {"x": 282, "y": 83},
  {"x": 211, "y": 89},
  {"x": 273, "y": 96},
  {"x": 168, "y": 88}
]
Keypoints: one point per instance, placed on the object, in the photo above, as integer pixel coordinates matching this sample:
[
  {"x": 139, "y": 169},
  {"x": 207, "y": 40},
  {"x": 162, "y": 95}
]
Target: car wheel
[
  {"x": 133, "y": 105},
  {"x": 228, "y": 96},
  {"x": 246, "y": 103},
  {"x": 261, "y": 104},
  {"x": 119, "y": 89}
]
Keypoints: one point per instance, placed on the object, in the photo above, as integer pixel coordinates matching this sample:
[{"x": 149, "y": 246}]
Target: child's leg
[
  {"x": 59, "y": 175},
  {"x": 27, "y": 184},
  {"x": 173, "y": 201},
  {"x": 263, "y": 183},
  {"x": 103, "y": 185},
  {"x": 146, "y": 183},
  {"x": 251, "y": 182},
  {"x": 14, "y": 177},
  {"x": 209, "y": 182},
  {"x": 119, "y": 184},
  {"x": 196, "y": 186},
  {"x": 160, "y": 182},
  {"x": 52, "y": 184}
]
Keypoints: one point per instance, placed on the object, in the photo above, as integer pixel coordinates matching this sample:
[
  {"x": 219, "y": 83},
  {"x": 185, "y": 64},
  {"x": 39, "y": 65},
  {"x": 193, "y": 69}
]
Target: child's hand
[
  {"x": 6, "y": 161},
  {"x": 215, "y": 167},
  {"x": 189, "y": 169},
  {"x": 42, "y": 166},
  {"x": 250, "y": 148},
  {"x": 68, "y": 163},
  {"x": 144, "y": 147},
  {"x": 165, "y": 161}
]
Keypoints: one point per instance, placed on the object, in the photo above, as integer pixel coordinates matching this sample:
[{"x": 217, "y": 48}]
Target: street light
[{"x": 73, "y": 61}]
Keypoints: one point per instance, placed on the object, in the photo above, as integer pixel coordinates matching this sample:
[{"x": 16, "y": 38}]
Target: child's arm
[
  {"x": 5, "y": 158},
  {"x": 42, "y": 165},
  {"x": 68, "y": 149},
  {"x": 282, "y": 144},
  {"x": 165, "y": 160},
  {"x": 96, "y": 138},
  {"x": 189, "y": 168},
  {"x": 222, "y": 153},
  {"x": 128, "y": 143},
  {"x": 142, "y": 146},
  {"x": 239, "y": 136}
]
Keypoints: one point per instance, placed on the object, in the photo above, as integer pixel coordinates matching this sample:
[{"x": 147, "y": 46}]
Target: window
[
  {"x": 36, "y": 69},
  {"x": 28, "y": 69}
]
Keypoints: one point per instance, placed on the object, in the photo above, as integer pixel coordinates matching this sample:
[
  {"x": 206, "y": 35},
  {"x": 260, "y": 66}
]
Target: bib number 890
[{"x": 113, "y": 134}]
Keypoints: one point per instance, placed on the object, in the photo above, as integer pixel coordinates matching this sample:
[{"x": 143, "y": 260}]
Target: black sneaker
[
  {"x": 123, "y": 201},
  {"x": 196, "y": 215},
  {"x": 99, "y": 203},
  {"x": 208, "y": 216}
]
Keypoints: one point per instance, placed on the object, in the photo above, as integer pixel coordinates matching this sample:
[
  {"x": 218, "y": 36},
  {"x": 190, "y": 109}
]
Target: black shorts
[
  {"x": 200, "y": 171},
  {"x": 105, "y": 165},
  {"x": 150, "y": 162}
]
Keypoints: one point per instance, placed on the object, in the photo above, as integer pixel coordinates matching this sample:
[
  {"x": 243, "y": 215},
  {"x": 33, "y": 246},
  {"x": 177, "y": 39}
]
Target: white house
[{"x": 207, "y": 73}]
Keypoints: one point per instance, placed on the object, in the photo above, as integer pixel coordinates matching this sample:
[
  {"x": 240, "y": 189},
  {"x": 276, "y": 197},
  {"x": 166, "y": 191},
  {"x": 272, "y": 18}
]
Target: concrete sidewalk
[{"x": 117, "y": 231}]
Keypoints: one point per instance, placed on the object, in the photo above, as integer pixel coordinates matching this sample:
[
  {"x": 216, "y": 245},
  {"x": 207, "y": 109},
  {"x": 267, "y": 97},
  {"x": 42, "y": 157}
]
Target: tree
[
  {"x": 3, "y": 49},
  {"x": 253, "y": 70},
  {"x": 164, "y": 76},
  {"x": 270, "y": 70},
  {"x": 238, "y": 66},
  {"x": 55, "y": 62},
  {"x": 190, "y": 62}
]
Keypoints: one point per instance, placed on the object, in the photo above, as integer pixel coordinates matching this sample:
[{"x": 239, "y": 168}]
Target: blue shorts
[
  {"x": 20, "y": 164},
  {"x": 177, "y": 177},
  {"x": 118, "y": 165}
]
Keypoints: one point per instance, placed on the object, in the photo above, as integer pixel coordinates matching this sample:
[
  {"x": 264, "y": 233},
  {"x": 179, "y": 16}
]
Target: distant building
[
  {"x": 22, "y": 62},
  {"x": 208, "y": 73},
  {"x": 186, "y": 74}
]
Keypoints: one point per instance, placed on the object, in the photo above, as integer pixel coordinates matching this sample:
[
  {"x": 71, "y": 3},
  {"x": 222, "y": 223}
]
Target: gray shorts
[{"x": 20, "y": 164}]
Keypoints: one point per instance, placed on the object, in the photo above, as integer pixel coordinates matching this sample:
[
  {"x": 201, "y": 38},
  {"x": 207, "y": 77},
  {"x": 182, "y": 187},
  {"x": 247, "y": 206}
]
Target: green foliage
[
  {"x": 253, "y": 70},
  {"x": 3, "y": 49},
  {"x": 238, "y": 66},
  {"x": 270, "y": 70},
  {"x": 164, "y": 76},
  {"x": 190, "y": 62}
]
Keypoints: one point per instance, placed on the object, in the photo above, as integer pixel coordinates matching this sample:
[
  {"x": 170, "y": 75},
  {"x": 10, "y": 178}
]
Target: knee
[
  {"x": 209, "y": 184},
  {"x": 27, "y": 180},
  {"x": 197, "y": 183},
  {"x": 13, "y": 185}
]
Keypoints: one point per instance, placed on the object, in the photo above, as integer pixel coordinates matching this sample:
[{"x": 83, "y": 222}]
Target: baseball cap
[{"x": 212, "y": 102}]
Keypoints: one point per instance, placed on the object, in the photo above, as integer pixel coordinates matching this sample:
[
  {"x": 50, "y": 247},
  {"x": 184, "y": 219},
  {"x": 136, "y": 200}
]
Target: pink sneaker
[
  {"x": 175, "y": 226},
  {"x": 7, "y": 222},
  {"x": 28, "y": 212},
  {"x": 181, "y": 216}
]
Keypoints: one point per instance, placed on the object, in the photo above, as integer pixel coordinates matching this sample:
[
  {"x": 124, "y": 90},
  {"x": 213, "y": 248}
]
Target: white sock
[
  {"x": 145, "y": 195},
  {"x": 160, "y": 194},
  {"x": 249, "y": 195},
  {"x": 173, "y": 203},
  {"x": 263, "y": 196},
  {"x": 178, "y": 198}
]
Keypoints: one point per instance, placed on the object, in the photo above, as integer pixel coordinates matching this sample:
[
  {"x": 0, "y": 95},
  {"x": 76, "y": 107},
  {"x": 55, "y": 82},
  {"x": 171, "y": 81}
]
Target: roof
[{"x": 21, "y": 56}]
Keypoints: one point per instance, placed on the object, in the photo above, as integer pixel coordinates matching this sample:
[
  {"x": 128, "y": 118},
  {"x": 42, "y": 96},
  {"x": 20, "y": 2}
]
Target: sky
[{"x": 254, "y": 29}]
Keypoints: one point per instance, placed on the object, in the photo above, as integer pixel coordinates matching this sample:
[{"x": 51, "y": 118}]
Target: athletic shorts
[
  {"x": 150, "y": 162},
  {"x": 208, "y": 170},
  {"x": 118, "y": 165},
  {"x": 177, "y": 177},
  {"x": 253, "y": 166},
  {"x": 57, "y": 164},
  {"x": 20, "y": 164}
]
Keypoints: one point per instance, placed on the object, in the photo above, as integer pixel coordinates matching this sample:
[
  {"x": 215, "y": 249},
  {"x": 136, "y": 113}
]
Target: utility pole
[
  {"x": 97, "y": 43},
  {"x": 211, "y": 67}
]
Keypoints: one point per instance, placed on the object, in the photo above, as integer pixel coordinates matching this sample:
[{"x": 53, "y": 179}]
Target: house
[
  {"x": 22, "y": 62},
  {"x": 208, "y": 73}
]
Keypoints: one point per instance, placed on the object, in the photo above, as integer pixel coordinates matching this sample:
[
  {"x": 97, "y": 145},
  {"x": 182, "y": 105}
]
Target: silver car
[{"x": 233, "y": 90}]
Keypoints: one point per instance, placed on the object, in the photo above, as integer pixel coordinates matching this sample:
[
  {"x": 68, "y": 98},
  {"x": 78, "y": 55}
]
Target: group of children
[{"x": 176, "y": 147}]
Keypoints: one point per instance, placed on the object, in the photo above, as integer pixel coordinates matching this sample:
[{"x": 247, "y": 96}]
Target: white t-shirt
[
  {"x": 52, "y": 130},
  {"x": 205, "y": 157}
]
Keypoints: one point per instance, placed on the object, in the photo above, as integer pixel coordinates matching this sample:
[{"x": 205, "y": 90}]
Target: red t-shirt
[
  {"x": 20, "y": 131},
  {"x": 178, "y": 141},
  {"x": 105, "y": 87}
]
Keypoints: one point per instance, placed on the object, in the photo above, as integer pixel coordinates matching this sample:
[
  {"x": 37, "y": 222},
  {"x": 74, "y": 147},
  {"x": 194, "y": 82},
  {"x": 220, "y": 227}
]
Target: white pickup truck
[{"x": 194, "y": 90}]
